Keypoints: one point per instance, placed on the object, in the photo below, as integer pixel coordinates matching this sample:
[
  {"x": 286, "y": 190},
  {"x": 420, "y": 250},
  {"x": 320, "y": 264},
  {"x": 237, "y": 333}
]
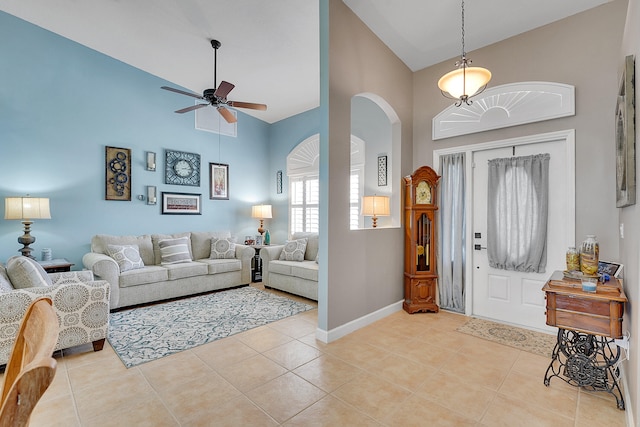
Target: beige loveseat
[
  {"x": 159, "y": 275},
  {"x": 296, "y": 276},
  {"x": 80, "y": 303}
]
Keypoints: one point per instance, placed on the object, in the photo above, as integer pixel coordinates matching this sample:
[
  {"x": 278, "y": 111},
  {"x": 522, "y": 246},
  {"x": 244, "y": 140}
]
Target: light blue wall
[
  {"x": 284, "y": 136},
  {"x": 61, "y": 104}
]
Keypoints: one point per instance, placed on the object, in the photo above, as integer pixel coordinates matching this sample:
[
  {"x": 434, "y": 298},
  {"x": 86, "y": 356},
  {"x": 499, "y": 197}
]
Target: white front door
[{"x": 510, "y": 296}]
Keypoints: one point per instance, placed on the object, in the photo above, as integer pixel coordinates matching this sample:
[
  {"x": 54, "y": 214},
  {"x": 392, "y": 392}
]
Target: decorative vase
[
  {"x": 589, "y": 255},
  {"x": 573, "y": 259},
  {"x": 267, "y": 237}
]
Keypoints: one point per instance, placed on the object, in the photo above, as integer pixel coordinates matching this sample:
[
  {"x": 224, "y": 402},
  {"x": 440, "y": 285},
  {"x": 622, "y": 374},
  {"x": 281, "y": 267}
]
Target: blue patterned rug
[{"x": 148, "y": 333}]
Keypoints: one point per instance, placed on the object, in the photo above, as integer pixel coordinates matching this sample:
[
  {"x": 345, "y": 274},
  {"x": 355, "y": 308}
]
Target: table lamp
[
  {"x": 261, "y": 212},
  {"x": 26, "y": 209},
  {"x": 375, "y": 206}
]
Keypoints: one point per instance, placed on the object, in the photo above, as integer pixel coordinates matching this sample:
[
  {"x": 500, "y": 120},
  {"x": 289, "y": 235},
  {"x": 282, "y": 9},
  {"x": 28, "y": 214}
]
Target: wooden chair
[{"x": 31, "y": 368}]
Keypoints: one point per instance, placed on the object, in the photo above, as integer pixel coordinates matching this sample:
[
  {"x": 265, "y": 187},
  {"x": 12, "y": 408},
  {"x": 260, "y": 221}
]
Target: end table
[
  {"x": 256, "y": 265},
  {"x": 58, "y": 265}
]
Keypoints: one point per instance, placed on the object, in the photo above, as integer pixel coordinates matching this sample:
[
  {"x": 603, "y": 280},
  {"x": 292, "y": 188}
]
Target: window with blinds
[
  {"x": 303, "y": 204},
  {"x": 355, "y": 219}
]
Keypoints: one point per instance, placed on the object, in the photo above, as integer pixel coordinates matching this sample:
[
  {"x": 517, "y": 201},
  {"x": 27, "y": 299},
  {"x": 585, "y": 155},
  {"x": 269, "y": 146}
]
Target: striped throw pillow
[{"x": 174, "y": 251}]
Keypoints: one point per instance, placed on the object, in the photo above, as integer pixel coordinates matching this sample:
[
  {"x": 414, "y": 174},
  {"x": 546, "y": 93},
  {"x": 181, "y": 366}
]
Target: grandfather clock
[{"x": 420, "y": 240}]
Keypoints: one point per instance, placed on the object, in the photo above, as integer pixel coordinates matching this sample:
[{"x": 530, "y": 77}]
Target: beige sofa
[
  {"x": 295, "y": 277},
  {"x": 80, "y": 303},
  {"x": 154, "y": 281}
]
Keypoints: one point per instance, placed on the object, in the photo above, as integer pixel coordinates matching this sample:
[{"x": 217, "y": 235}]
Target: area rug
[
  {"x": 522, "y": 339},
  {"x": 148, "y": 333}
]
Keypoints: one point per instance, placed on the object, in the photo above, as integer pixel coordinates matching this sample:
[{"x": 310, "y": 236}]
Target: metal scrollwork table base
[{"x": 587, "y": 361}]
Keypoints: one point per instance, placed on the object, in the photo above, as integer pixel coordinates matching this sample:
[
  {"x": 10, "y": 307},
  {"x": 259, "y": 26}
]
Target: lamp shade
[
  {"x": 26, "y": 208},
  {"x": 464, "y": 79},
  {"x": 375, "y": 206},
  {"x": 261, "y": 211}
]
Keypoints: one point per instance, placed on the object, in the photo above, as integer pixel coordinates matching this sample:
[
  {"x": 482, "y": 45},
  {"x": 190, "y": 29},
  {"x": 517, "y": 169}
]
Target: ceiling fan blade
[
  {"x": 193, "y": 107},
  {"x": 228, "y": 115},
  {"x": 251, "y": 105},
  {"x": 181, "y": 92},
  {"x": 223, "y": 89}
]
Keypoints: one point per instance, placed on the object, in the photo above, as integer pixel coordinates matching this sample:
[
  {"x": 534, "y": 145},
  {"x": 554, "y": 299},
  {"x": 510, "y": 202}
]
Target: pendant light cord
[{"x": 464, "y": 54}]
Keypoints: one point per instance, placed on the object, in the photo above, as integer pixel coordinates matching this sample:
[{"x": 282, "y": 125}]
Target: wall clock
[{"x": 182, "y": 168}]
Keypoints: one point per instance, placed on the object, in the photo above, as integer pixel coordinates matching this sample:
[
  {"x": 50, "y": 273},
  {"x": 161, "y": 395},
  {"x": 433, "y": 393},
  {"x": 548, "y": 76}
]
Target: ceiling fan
[{"x": 217, "y": 97}]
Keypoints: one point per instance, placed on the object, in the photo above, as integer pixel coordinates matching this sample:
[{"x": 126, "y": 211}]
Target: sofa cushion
[
  {"x": 127, "y": 256},
  {"x": 294, "y": 250},
  {"x": 222, "y": 249},
  {"x": 201, "y": 242},
  {"x": 100, "y": 242},
  {"x": 305, "y": 270},
  {"x": 312, "y": 244},
  {"x": 216, "y": 266},
  {"x": 26, "y": 273},
  {"x": 5, "y": 283},
  {"x": 174, "y": 251},
  {"x": 186, "y": 269},
  {"x": 155, "y": 239},
  {"x": 144, "y": 275}
]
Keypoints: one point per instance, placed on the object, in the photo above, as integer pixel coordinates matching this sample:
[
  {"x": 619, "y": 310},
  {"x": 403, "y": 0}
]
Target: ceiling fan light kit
[
  {"x": 465, "y": 81},
  {"x": 217, "y": 97}
]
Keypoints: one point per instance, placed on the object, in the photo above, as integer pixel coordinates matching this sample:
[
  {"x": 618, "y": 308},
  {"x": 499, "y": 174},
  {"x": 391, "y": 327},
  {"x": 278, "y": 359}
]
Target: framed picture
[
  {"x": 181, "y": 204},
  {"x": 382, "y": 171},
  {"x": 613, "y": 269},
  {"x": 259, "y": 240},
  {"x": 625, "y": 137},
  {"x": 117, "y": 173},
  {"x": 248, "y": 240},
  {"x": 279, "y": 182},
  {"x": 218, "y": 181}
]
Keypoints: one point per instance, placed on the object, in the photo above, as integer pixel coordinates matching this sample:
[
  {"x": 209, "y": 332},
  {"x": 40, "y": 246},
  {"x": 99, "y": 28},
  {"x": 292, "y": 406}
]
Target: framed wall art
[
  {"x": 181, "y": 204},
  {"x": 218, "y": 181},
  {"x": 625, "y": 137},
  {"x": 279, "y": 182},
  {"x": 117, "y": 173},
  {"x": 382, "y": 171},
  {"x": 182, "y": 168}
]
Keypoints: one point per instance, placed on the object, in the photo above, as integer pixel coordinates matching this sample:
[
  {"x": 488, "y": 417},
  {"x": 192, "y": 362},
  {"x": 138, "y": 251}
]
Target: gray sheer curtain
[
  {"x": 517, "y": 211},
  {"x": 451, "y": 238}
]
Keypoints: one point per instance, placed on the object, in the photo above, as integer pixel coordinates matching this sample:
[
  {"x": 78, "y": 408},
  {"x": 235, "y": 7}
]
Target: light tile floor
[{"x": 404, "y": 370}]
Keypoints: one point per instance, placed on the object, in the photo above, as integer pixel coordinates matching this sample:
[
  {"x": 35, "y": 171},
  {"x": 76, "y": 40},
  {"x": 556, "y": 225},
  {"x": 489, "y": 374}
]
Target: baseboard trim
[
  {"x": 354, "y": 325},
  {"x": 628, "y": 407}
]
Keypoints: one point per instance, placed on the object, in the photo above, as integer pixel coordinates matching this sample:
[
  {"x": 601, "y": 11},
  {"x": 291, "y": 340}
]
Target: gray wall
[
  {"x": 581, "y": 50},
  {"x": 584, "y": 51},
  {"x": 630, "y": 217},
  {"x": 363, "y": 272}
]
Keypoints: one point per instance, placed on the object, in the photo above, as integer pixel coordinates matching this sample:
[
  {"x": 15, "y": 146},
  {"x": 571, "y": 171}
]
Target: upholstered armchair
[{"x": 81, "y": 305}]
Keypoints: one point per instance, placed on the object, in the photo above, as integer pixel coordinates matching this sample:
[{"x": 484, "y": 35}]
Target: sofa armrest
[
  {"x": 245, "y": 253},
  {"x": 106, "y": 268},
  {"x": 268, "y": 254},
  {"x": 71, "y": 277},
  {"x": 82, "y": 309}
]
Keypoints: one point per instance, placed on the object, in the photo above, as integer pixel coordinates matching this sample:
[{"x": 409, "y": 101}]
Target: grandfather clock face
[{"x": 423, "y": 193}]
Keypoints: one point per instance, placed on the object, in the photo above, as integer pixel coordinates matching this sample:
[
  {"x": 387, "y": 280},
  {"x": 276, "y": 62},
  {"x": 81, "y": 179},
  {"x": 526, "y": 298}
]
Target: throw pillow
[
  {"x": 174, "y": 251},
  {"x": 127, "y": 256},
  {"x": 5, "y": 284},
  {"x": 222, "y": 249},
  {"x": 294, "y": 250},
  {"x": 26, "y": 273}
]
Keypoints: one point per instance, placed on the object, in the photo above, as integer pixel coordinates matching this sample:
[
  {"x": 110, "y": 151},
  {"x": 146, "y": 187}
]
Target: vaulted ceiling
[{"x": 270, "y": 49}]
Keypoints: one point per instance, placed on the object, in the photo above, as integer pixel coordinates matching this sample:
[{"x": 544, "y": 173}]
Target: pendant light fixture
[{"x": 465, "y": 81}]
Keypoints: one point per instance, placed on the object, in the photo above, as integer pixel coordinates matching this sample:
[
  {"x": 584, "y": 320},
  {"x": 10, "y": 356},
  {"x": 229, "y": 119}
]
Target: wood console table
[{"x": 586, "y": 354}]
